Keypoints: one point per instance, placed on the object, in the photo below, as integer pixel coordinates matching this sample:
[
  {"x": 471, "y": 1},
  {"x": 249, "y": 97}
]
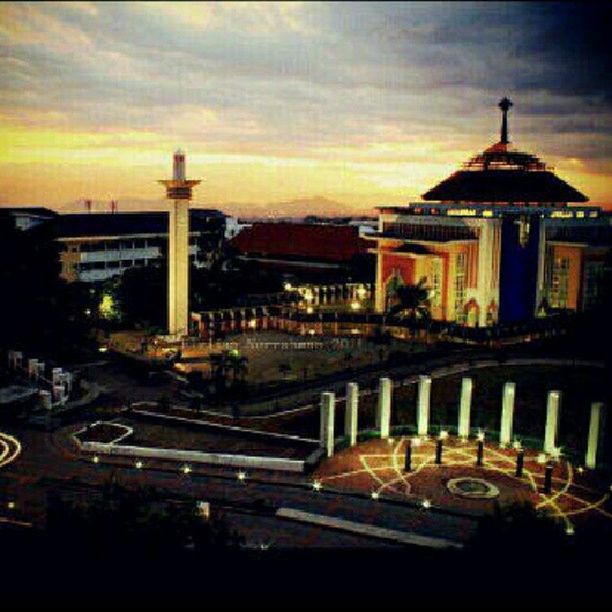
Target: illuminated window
[
  {"x": 559, "y": 282},
  {"x": 460, "y": 288},
  {"x": 436, "y": 282}
]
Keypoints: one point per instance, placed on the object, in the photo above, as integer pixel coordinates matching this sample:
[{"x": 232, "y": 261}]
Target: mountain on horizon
[{"x": 315, "y": 206}]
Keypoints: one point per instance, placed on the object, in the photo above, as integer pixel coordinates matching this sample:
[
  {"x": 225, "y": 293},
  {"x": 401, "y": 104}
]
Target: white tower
[{"x": 178, "y": 190}]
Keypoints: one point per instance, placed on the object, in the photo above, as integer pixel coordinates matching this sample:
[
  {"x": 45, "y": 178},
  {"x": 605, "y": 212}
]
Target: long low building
[
  {"x": 98, "y": 246},
  {"x": 496, "y": 242}
]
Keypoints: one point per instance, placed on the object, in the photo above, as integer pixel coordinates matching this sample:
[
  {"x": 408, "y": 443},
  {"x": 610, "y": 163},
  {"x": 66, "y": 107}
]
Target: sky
[{"x": 333, "y": 105}]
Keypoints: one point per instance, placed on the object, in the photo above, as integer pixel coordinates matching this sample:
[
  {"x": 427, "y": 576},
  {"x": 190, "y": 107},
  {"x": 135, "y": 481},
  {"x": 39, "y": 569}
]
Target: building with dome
[{"x": 500, "y": 241}]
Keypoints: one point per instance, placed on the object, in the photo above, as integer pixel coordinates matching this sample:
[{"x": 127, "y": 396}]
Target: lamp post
[
  {"x": 408, "y": 456},
  {"x": 548, "y": 477},
  {"x": 443, "y": 435},
  {"x": 520, "y": 460},
  {"x": 480, "y": 451}
]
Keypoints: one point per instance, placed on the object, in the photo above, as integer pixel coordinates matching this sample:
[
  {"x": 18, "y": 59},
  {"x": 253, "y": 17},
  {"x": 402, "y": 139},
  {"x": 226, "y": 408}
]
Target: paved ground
[{"x": 377, "y": 467}]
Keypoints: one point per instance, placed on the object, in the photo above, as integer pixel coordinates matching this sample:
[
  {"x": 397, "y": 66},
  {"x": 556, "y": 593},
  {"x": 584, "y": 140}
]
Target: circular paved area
[{"x": 377, "y": 466}]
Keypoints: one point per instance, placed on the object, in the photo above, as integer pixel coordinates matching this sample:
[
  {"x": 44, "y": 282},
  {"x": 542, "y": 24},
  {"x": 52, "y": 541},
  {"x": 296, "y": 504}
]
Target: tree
[
  {"x": 141, "y": 296},
  {"x": 413, "y": 303},
  {"x": 41, "y": 311}
]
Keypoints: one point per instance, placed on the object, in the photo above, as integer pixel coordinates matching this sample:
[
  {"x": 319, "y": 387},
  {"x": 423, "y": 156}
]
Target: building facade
[
  {"x": 98, "y": 246},
  {"x": 500, "y": 241}
]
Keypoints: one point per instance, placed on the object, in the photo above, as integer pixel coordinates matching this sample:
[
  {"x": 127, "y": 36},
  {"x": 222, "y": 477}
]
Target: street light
[{"x": 317, "y": 485}]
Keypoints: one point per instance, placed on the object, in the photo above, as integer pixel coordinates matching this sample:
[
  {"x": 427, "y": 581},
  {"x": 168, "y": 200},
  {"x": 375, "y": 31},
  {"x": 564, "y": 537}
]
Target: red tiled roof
[{"x": 316, "y": 242}]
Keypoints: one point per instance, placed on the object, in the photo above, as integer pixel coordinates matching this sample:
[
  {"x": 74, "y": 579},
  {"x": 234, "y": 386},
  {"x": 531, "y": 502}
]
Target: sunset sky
[{"x": 363, "y": 104}]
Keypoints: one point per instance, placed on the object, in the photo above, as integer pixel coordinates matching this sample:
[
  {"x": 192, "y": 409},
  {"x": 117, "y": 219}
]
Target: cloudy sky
[{"x": 363, "y": 104}]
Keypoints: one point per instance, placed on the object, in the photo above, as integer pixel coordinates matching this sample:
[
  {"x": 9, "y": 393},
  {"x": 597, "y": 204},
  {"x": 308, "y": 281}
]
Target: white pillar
[
  {"x": 423, "y": 405},
  {"x": 383, "y": 413},
  {"x": 350, "y": 412},
  {"x": 46, "y": 399},
  {"x": 552, "y": 421},
  {"x": 33, "y": 368},
  {"x": 505, "y": 433},
  {"x": 56, "y": 376},
  {"x": 178, "y": 267},
  {"x": 596, "y": 434},
  {"x": 465, "y": 406},
  {"x": 326, "y": 432}
]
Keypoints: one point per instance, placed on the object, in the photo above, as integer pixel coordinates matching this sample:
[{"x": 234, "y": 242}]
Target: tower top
[
  {"x": 504, "y": 104},
  {"x": 178, "y": 188}
]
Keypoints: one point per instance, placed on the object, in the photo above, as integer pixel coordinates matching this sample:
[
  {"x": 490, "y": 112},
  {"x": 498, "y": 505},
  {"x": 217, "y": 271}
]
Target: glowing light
[
  {"x": 95, "y": 459},
  {"x": 241, "y": 476},
  {"x": 253, "y": 324},
  {"x": 541, "y": 458},
  {"x": 107, "y": 307},
  {"x": 102, "y": 349},
  {"x": 138, "y": 465},
  {"x": 311, "y": 332},
  {"x": 556, "y": 453},
  {"x": 317, "y": 485},
  {"x": 375, "y": 495},
  {"x": 361, "y": 292},
  {"x": 443, "y": 434},
  {"x": 186, "y": 469},
  {"x": 310, "y": 310},
  {"x": 287, "y": 286},
  {"x": 581, "y": 470},
  {"x": 480, "y": 436},
  {"x": 569, "y": 530},
  {"x": 416, "y": 441},
  {"x": 11, "y": 505},
  {"x": 426, "y": 504},
  {"x": 517, "y": 446},
  {"x": 355, "y": 305}
]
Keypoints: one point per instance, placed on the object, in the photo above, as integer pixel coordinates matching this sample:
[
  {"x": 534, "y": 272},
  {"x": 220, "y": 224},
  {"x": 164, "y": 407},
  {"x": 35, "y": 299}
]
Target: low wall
[{"x": 238, "y": 461}]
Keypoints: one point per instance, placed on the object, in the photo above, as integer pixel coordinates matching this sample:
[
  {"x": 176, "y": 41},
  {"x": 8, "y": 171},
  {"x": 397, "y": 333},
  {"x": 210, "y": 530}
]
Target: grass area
[{"x": 186, "y": 437}]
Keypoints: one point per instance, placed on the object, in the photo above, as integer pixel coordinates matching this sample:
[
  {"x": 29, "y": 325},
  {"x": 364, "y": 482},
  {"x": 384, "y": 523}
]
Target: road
[{"x": 45, "y": 465}]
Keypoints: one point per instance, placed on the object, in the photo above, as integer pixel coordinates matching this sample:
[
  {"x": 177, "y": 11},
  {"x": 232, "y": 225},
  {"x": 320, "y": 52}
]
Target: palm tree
[{"x": 413, "y": 303}]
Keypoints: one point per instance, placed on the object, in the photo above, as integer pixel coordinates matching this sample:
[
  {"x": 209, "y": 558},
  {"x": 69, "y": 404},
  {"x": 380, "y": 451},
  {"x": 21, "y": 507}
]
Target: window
[
  {"x": 436, "y": 282},
  {"x": 559, "y": 282},
  {"x": 460, "y": 288}
]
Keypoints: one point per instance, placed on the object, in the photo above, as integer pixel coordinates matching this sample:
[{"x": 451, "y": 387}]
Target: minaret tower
[{"x": 178, "y": 190}]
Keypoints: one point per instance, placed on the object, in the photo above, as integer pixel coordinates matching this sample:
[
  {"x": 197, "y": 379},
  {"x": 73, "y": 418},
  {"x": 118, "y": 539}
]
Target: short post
[
  {"x": 505, "y": 433},
  {"x": 480, "y": 449},
  {"x": 439, "y": 451},
  {"x": 596, "y": 435},
  {"x": 520, "y": 461},
  {"x": 328, "y": 407},
  {"x": 465, "y": 404},
  {"x": 552, "y": 421},
  {"x": 408, "y": 456},
  {"x": 423, "y": 405},
  {"x": 384, "y": 407},
  {"x": 56, "y": 375},
  {"x": 351, "y": 412},
  {"x": 548, "y": 477}
]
